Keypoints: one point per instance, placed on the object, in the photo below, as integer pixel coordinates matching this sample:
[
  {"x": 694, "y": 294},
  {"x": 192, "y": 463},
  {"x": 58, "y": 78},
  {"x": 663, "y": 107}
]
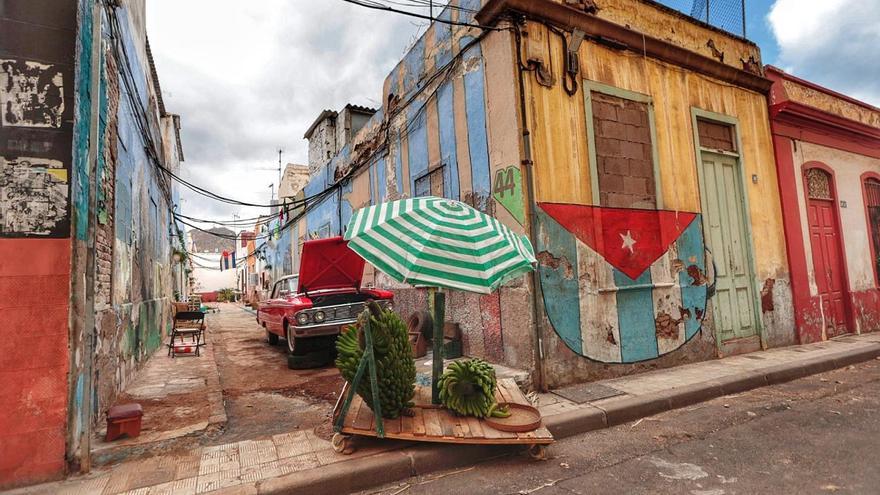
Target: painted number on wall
[{"x": 507, "y": 191}]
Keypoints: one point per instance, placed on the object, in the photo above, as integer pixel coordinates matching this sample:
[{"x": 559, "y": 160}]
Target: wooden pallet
[{"x": 436, "y": 424}]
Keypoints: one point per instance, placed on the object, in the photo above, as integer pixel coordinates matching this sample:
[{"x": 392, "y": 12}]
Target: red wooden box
[{"x": 124, "y": 420}]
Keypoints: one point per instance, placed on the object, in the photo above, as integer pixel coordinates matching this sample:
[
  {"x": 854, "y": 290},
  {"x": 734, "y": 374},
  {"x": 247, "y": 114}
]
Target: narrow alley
[
  {"x": 261, "y": 396},
  {"x": 239, "y": 389}
]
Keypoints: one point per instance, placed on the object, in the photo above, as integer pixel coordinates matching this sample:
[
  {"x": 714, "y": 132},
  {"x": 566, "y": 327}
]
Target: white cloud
[
  {"x": 250, "y": 77},
  {"x": 835, "y": 43}
]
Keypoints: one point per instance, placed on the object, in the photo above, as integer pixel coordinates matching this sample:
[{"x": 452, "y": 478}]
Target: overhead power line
[{"x": 371, "y": 4}]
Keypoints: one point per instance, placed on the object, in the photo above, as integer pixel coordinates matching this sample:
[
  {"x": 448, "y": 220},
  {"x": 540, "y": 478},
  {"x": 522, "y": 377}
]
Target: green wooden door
[{"x": 724, "y": 222}]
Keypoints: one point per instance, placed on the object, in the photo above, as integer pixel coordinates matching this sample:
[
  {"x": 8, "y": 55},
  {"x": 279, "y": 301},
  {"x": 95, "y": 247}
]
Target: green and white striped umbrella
[{"x": 436, "y": 242}]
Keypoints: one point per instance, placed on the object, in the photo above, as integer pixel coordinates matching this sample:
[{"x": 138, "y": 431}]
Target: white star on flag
[{"x": 628, "y": 242}]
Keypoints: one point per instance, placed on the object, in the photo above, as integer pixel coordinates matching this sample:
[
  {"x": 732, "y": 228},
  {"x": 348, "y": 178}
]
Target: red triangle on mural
[{"x": 630, "y": 240}]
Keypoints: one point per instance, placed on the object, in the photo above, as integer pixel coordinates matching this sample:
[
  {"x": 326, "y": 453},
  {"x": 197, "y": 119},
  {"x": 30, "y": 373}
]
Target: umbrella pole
[{"x": 437, "y": 302}]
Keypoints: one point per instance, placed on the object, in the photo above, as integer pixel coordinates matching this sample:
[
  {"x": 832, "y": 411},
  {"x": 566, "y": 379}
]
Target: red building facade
[{"x": 828, "y": 160}]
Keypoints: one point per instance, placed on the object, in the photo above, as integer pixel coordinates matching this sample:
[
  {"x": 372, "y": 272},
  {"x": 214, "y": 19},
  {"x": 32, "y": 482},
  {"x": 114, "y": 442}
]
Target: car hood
[{"x": 329, "y": 264}]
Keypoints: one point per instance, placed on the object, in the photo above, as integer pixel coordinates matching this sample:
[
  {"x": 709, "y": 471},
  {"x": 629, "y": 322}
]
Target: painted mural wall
[
  {"x": 137, "y": 317},
  {"x": 629, "y": 289},
  {"x": 133, "y": 227},
  {"x": 448, "y": 127}
]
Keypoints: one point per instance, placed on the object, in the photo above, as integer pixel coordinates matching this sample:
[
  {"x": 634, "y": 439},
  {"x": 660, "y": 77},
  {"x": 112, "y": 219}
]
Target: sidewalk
[
  {"x": 182, "y": 399},
  {"x": 301, "y": 462}
]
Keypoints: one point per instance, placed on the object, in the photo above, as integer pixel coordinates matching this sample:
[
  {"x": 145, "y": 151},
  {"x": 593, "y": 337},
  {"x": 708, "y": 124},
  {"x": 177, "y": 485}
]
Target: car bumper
[{"x": 323, "y": 329}]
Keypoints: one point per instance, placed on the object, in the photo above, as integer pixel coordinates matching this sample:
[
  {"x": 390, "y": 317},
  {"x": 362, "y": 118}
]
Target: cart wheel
[
  {"x": 538, "y": 452},
  {"x": 343, "y": 444}
]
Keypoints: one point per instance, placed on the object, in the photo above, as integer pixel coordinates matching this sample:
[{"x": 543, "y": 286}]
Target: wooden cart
[
  {"x": 436, "y": 424},
  {"x": 430, "y": 423}
]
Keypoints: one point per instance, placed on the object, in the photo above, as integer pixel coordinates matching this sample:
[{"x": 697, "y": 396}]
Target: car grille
[{"x": 341, "y": 312}]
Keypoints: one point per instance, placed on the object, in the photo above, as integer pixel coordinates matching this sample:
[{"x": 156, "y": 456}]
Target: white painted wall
[{"x": 207, "y": 274}]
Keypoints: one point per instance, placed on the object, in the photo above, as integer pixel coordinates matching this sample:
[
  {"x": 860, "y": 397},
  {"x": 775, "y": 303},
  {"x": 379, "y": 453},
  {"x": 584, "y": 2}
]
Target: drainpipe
[
  {"x": 89, "y": 326},
  {"x": 537, "y": 294}
]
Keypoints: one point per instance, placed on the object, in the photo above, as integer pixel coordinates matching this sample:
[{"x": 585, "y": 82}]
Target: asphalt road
[{"x": 819, "y": 435}]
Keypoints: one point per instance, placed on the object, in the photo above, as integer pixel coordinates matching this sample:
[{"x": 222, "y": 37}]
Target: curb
[
  {"x": 388, "y": 467},
  {"x": 596, "y": 417}
]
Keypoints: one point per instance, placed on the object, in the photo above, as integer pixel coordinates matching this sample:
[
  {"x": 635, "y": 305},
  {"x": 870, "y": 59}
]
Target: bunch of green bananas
[
  {"x": 468, "y": 388},
  {"x": 395, "y": 366}
]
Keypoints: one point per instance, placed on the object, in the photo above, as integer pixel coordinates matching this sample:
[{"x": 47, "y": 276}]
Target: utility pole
[{"x": 744, "y": 17}]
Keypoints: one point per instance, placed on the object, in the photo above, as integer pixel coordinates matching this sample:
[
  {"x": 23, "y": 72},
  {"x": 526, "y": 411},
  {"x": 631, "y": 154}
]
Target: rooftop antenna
[{"x": 280, "y": 171}]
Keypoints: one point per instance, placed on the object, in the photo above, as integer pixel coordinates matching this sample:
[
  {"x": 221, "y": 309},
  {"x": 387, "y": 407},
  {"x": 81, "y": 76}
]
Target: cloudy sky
[{"x": 249, "y": 78}]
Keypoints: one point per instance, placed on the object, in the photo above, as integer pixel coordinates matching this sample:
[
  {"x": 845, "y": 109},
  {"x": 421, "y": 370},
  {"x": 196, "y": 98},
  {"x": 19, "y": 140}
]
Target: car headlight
[
  {"x": 319, "y": 316},
  {"x": 302, "y": 318},
  {"x": 389, "y": 306}
]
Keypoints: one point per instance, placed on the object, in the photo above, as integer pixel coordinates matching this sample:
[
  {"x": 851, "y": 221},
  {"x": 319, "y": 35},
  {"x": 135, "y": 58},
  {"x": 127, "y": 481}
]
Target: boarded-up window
[
  {"x": 716, "y": 135},
  {"x": 431, "y": 183},
  {"x": 624, "y": 152}
]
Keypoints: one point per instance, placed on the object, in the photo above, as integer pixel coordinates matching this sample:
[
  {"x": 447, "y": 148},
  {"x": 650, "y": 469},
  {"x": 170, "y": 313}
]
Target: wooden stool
[{"x": 124, "y": 420}]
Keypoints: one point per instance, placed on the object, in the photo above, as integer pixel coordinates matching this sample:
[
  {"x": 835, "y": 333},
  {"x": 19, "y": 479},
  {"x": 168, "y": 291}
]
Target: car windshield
[{"x": 285, "y": 287}]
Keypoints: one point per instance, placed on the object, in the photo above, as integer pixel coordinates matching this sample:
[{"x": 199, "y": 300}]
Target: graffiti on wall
[
  {"x": 622, "y": 285},
  {"x": 30, "y": 94},
  {"x": 33, "y": 197},
  {"x": 507, "y": 191}
]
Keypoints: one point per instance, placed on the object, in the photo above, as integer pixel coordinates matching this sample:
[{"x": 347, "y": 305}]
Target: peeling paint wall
[
  {"x": 667, "y": 24},
  {"x": 137, "y": 317},
  {"x": 37, "y": 48},
  {"x": 819, "y": 131},
  {"x": 452, "y": 130},
  {"x": 657, "y": 315},
  {"x": 133, "y": 230}
]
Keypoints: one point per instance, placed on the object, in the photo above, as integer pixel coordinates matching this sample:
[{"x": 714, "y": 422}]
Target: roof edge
[{"x": 325, "y": 114}]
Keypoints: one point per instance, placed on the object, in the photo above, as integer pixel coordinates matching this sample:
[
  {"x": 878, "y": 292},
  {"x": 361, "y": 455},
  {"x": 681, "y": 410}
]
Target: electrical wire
[
  {"x": 370, "y": 4},
  {"x": 143, "y": 124}
]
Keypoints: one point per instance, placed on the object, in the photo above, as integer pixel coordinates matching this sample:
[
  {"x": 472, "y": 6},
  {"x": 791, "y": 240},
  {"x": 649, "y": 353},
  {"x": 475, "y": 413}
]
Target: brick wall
[
  {"x": 624, "y": 152},
  {"x": 716, "y": 136},
  {"x": 105, "y": 232}
]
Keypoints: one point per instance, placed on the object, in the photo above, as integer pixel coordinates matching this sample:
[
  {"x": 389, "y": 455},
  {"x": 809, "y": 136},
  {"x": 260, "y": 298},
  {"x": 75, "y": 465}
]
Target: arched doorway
[{"x": 825, "y": 241}]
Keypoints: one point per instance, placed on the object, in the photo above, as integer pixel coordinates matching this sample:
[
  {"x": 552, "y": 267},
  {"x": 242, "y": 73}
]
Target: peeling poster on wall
[
  {"x": 33, "y": 197},
  {"x": 31, "y": 94}
]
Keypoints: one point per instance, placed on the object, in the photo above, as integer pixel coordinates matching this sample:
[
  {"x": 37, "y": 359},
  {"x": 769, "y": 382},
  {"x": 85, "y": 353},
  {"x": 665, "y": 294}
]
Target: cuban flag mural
[{"x": 622, "y": 285}]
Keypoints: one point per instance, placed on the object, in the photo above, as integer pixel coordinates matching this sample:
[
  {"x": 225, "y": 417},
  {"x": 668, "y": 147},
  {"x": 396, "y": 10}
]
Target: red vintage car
[{"x": 309, "y": 310}]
